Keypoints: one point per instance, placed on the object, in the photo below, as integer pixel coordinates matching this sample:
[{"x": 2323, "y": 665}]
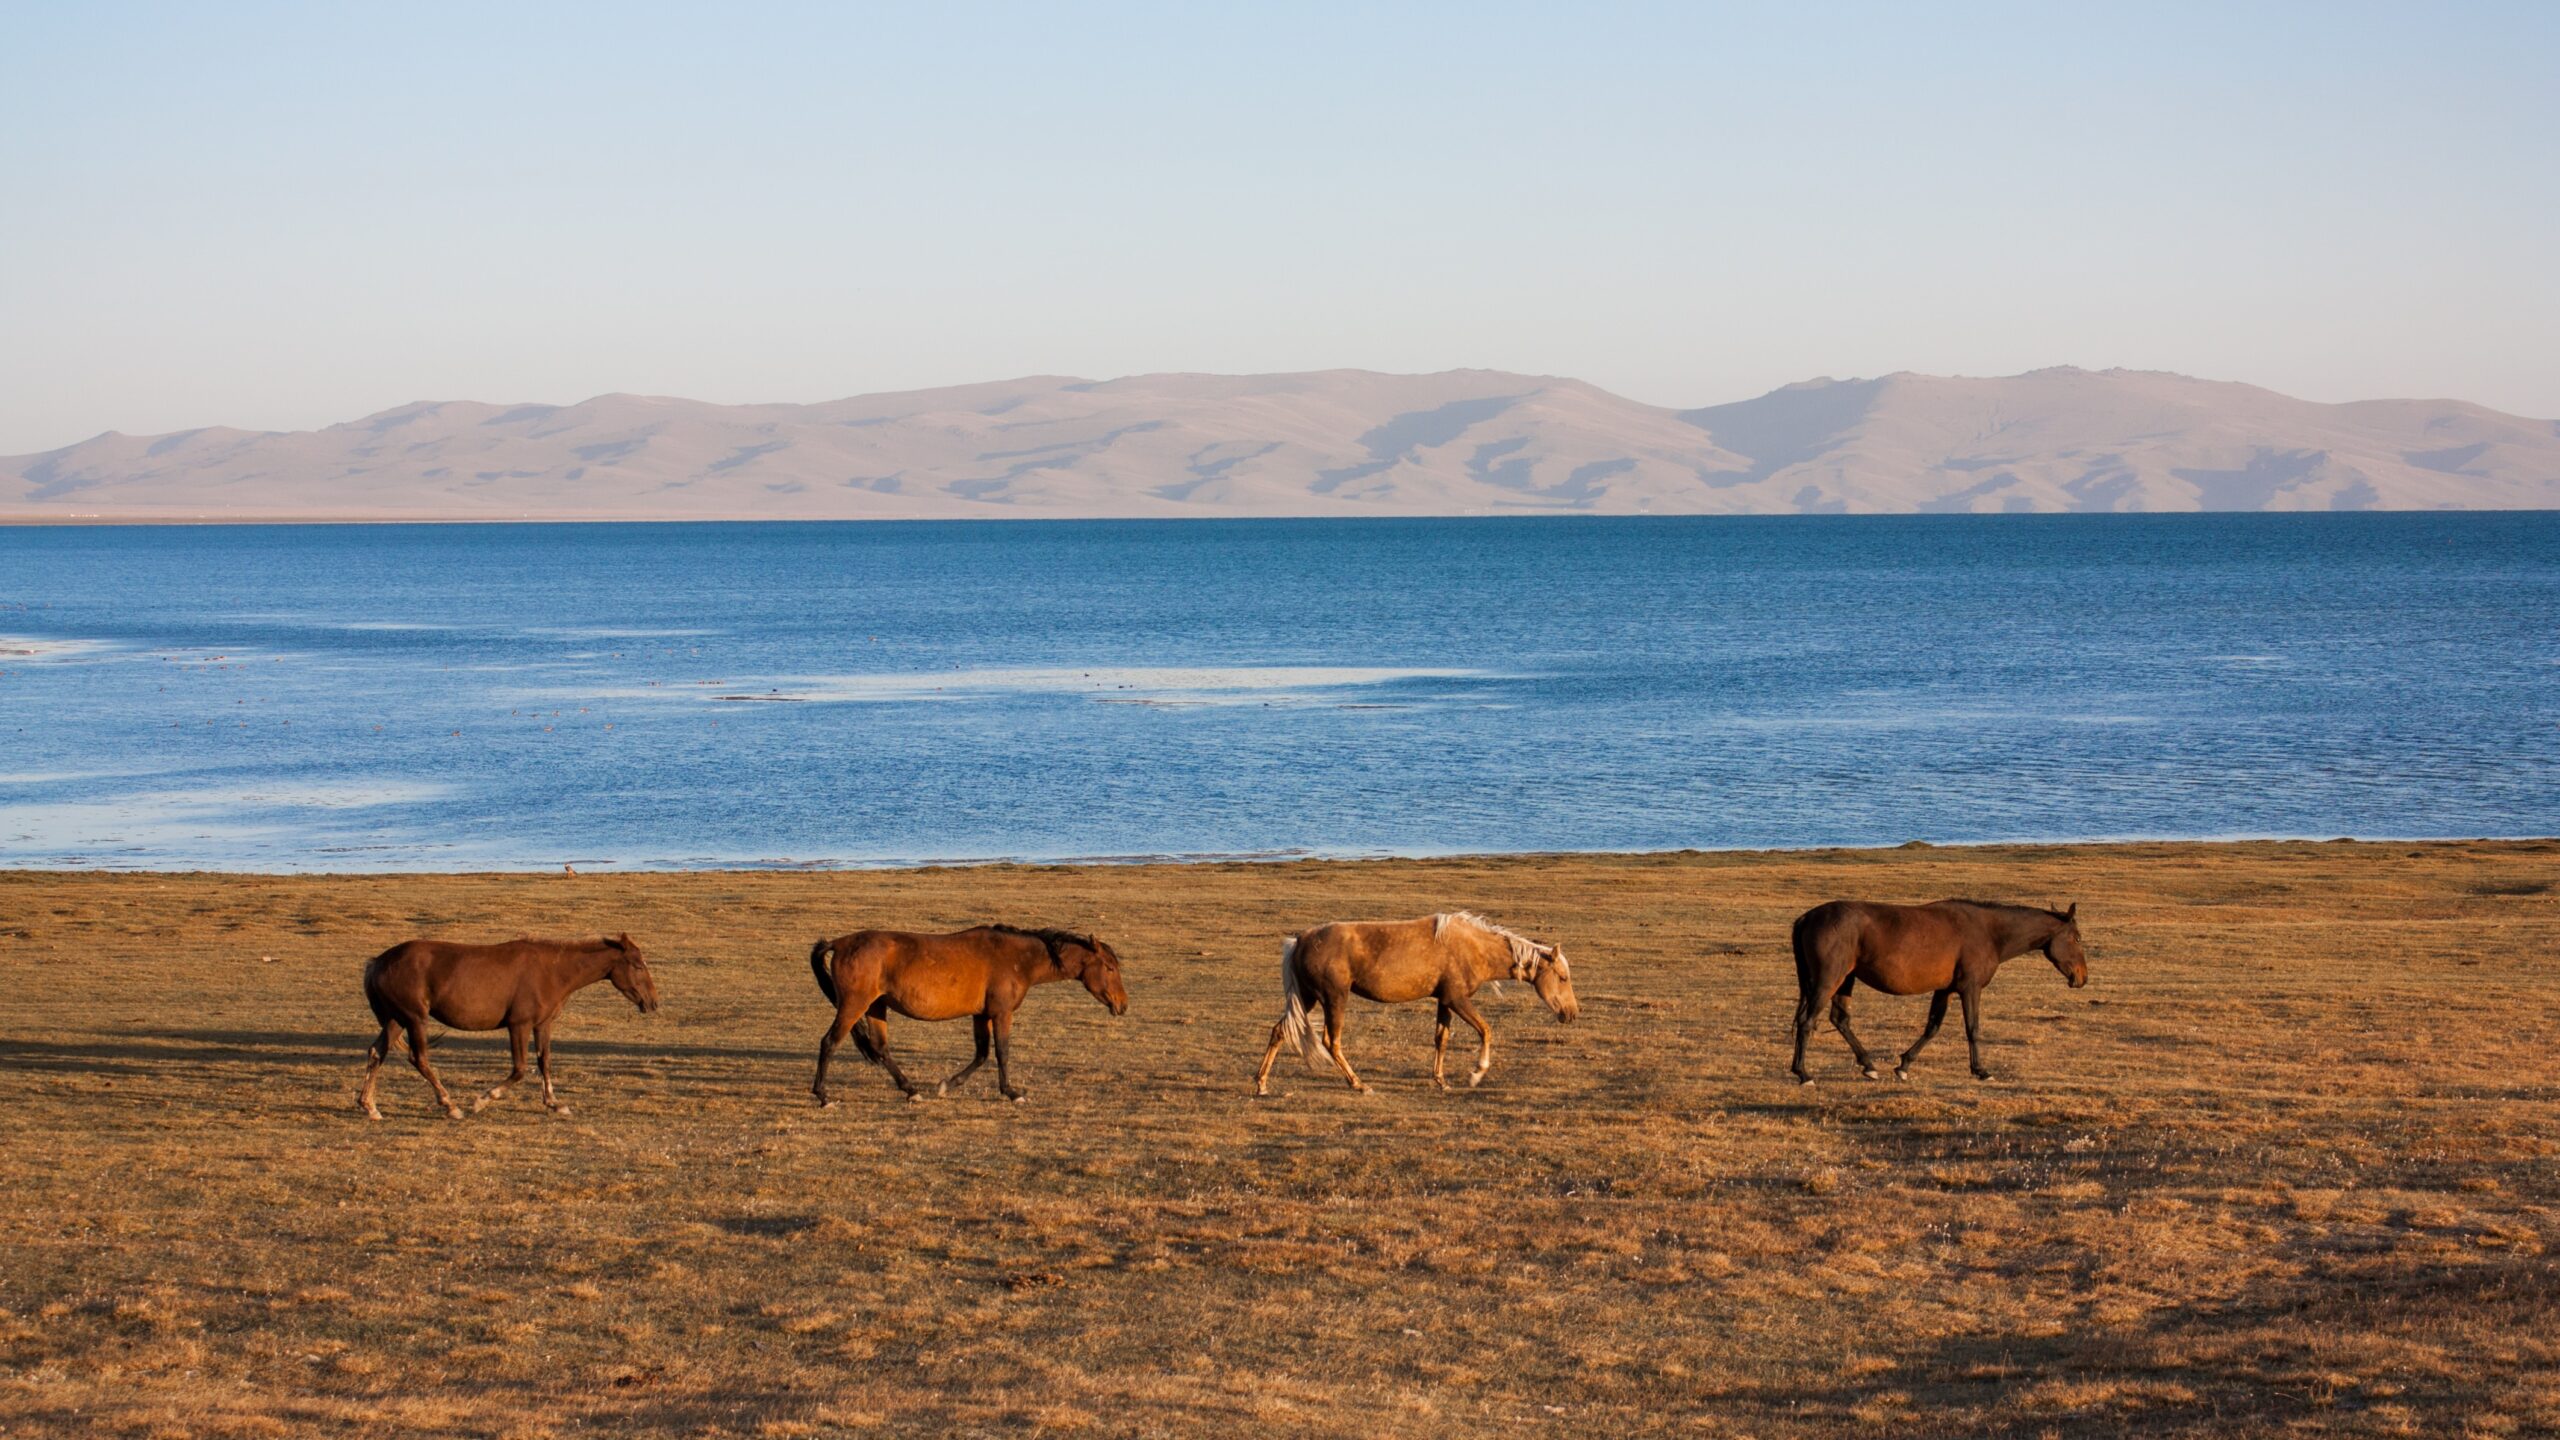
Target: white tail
[{"x": 1297, "y": 1025}]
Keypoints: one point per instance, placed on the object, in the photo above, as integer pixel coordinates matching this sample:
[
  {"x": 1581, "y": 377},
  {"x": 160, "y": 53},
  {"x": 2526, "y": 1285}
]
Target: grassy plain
[{"x": 2291, "y": 1164}]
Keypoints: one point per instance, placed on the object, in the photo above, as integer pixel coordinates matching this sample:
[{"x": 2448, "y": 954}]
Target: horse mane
[
  {"x": 1527, "y": 955},
  {"x": 1054, "y": 939},
  {"x": 2005, "y": 905}
]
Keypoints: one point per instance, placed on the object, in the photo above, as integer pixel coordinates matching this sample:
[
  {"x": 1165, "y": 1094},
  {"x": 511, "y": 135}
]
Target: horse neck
[
  {"x": 578, "y": 966},
  {"x": 2023, "y": 930},
  {"x": 1042, "y": 968},
  {"x": 1489, "y": 958}
]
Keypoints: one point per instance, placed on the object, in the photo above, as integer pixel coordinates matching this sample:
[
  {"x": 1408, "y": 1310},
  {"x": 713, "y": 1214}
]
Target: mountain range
[{"x": 1336, "y": 442}]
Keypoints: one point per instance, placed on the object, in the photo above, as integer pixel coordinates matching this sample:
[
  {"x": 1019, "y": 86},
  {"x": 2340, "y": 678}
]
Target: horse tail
[
  {"x": 1296, "y": 1000},
  {"x": 821, "y": 958},
  {"x": 384, "y": 1012},
  {"x": 1803, "y": 937}
]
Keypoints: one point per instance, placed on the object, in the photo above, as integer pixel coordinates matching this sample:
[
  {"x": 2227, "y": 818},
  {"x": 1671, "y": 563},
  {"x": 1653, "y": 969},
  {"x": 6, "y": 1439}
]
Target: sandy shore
[{"x": 2290, "y": 1163}]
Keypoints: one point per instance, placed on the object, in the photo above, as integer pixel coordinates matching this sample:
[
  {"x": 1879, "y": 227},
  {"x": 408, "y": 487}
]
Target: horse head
[
  {"x": 2063, "y": 949},
  {"x": 1553, "y": 978},
  {"x": 630, "y": 974},
  {"x": 1097, "y": 966}
]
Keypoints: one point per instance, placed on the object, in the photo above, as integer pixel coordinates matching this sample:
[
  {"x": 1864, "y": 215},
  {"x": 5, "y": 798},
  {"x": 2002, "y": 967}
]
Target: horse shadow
[{"x": 319, "y": 1049}]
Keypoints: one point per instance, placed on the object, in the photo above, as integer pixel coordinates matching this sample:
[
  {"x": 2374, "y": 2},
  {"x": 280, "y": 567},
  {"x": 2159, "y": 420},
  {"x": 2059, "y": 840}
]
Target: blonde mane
[{"x": 1528, "y": 957}]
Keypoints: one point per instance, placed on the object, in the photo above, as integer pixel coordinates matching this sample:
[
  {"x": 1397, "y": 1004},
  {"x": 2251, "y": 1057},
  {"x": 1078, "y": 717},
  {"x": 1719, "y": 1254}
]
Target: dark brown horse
[
  {"x": 518, "y": 986},
  {"x": 1446, "y": 957},
  {"x": 1947, "y": 949},
  {"x": 982, "y": 973}
]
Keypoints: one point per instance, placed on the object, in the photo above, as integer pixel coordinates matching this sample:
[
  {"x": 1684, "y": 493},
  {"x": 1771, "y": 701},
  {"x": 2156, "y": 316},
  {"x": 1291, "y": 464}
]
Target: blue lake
[{"x": 462, "y": 697}]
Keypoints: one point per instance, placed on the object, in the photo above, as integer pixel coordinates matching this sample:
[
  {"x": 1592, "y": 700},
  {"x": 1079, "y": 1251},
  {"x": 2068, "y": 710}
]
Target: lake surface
[{"x": 512, "y": 696}]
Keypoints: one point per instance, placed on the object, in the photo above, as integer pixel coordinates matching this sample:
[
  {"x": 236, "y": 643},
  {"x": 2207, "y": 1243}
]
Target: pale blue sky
[{"x": 280, "y": 216}]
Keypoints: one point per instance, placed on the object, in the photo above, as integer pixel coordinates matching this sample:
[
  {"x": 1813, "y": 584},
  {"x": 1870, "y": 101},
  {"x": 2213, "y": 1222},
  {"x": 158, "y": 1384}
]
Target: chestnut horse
[
  {"x": 1443, "y": 956},
  {"x": 1950, "y": 948},
  {"x": 518, "y": 986},
  {"x": 982, "y": 973}
]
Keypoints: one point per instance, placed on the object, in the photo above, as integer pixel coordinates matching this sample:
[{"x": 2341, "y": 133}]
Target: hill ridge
[{"x": 1331, "y": 442}]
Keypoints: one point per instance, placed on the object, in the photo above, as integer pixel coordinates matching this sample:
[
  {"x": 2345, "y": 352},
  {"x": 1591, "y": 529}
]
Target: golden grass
[{"x": 2289, "y": 1165}]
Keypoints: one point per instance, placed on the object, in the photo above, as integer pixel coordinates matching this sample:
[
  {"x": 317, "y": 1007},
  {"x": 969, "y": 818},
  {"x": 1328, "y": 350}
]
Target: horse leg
[
  {"x": 1805, "y": 1012},
  {"x": 1333, "y": 1038},
  {"x": 1440, "y": 1048},
  {"x": 880, "y": 1052},
  {"x": 1279, "y": 1037},
  {"x": 1971, "y": 995},
  {"x": 849, "y": 1008},
  {"x": 1840, "y": 1022},
  {"x": 1464, "y": 1007},
  {"x": 1813, "y": 995},
  {"x": 1937, "y": 1017},
  {"x": 875, "y": 1021},
  {"x": 982, "y": 1031},
  {"x": 372, "y": 1067},
  {"x": 542, "y": 1059},
  {"x": 1000, "y": 1024},
  {"x": 515, "y": 1049},
  {"x": 418, "y": 1057}
]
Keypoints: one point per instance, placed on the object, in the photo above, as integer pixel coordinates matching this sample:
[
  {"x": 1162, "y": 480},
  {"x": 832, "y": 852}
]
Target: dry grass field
[{"x": 2290, "y": 1165}]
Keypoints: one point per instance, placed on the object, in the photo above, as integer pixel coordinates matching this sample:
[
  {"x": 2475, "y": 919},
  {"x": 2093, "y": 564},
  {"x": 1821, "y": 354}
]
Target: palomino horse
[
  {"x": 1392, "y": 961},
  {"x": 1949, "y": 948},
  {"x": 982, "y": 973},
  {"x": 518, "y": 986}
]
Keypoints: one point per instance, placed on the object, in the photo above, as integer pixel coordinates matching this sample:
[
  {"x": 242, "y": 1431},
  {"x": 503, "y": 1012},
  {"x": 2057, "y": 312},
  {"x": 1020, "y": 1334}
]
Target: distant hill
[{"x": 1337, "y": 442}]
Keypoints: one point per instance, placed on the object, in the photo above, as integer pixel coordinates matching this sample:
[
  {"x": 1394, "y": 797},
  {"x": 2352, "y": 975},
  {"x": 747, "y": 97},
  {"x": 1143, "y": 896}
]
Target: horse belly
[
  {"x": 937, "y": 997},
  {"x": 1913, "y": 967},
  {"x": 1396, "y": 980},
  {"x": 469, "y": 1012}
]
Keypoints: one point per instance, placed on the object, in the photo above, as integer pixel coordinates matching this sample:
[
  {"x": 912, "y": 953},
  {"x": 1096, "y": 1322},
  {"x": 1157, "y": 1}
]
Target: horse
[
  {"x": 1445, "y": 956},
  {"x": 982, "y": 972},
  {"x": 519, "y": 986},
  {"x": 1948, "y": 948}
]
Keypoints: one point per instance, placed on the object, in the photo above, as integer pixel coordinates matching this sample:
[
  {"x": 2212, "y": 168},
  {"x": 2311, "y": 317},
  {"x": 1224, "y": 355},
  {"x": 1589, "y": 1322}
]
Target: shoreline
[
  {"x": 1975, "y": 849},
  {"x": 61, "y": 522}
]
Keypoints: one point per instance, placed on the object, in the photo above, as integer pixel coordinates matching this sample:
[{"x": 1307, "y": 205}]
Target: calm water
[{"x": 284, "y": 698}]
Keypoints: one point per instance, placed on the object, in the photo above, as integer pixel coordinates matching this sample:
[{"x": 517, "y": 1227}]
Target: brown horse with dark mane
[
  {"x": 1950, "y": 948},
  {"x": 1447, "y": 957},
  {"x": 519, "y": 986},
  {"x": 982, "y": 973}
]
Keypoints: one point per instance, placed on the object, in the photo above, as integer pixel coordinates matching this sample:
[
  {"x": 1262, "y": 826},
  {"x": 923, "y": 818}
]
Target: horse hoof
[
  {"x": 372, "y": 1114},
  {"x": 915, "y": 1097},
  {"x": 942, "y": 1089},
  {"x": 1981, "y": 1074},
  {"x": 453, "y": 1112},
  {"x": 1871, "y": 1074},
  {"x": 825, "y": 1104},
  {"x": 1804, "y": 1080},
  {"x": 560, "y": 1110},
  {"x": 1475, "y": 1079},
  {"x": 1017, "y": 1096},
  {"x": 1902, "y": 1072}
]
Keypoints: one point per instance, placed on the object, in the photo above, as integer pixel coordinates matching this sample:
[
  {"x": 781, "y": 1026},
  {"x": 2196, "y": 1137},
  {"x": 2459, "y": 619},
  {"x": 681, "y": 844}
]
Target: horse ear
[
  {"x": 2072, "y": 914},
  {"x": 624, "y": 940}
]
